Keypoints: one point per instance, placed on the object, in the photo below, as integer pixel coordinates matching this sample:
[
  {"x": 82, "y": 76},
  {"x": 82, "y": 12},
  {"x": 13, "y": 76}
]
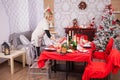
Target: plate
[
  {"x": 69, "y": 50},
  {"x": 86, "y": 46},
  {"x": 83, "y": 51},
  {"x": 50, "y": 49}
]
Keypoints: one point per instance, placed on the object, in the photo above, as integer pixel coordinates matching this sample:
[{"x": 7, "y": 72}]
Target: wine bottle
[
  {"x": 67, "y": 40},
  {"x": 70, "y": 36},
  {"x": 74, "y": 43}
]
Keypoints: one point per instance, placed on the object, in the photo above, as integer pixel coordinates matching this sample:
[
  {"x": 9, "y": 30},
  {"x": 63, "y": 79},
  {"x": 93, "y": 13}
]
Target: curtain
[{"x": 23, "y": 15}]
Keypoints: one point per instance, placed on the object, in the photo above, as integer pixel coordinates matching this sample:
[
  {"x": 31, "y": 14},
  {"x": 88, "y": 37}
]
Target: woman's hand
[{"x": 53, "y": 39}]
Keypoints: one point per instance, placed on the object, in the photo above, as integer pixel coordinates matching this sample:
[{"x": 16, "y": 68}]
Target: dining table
[
  {"x": 76, "y": 56},
  {"x": 81, "y": 55},
  {"x": 69, "y": 57}
]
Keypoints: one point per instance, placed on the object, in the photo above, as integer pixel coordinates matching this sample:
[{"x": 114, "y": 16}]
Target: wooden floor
[{"x": 21, "y": 74}]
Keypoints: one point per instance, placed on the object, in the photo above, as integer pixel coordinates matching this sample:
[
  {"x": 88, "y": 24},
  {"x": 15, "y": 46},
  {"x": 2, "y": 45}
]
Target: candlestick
[{"x": 67, "y": 40}]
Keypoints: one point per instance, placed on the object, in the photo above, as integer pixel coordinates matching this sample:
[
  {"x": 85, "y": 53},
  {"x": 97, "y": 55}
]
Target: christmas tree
[{"x": 107, "y": 29}]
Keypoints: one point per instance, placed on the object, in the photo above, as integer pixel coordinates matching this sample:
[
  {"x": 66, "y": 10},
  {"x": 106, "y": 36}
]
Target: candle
[
  {"x": 69, "y": 33},
  {"x": 67, "y": 40},
  {"x": 72, "y": 33}
]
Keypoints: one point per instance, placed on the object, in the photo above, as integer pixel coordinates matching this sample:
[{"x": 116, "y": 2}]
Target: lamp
[{"x": 5, "y": 48}]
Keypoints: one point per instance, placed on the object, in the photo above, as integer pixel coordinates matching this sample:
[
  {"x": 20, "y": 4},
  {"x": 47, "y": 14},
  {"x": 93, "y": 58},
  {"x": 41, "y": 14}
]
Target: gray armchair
[{"x": 14, "y": 39}]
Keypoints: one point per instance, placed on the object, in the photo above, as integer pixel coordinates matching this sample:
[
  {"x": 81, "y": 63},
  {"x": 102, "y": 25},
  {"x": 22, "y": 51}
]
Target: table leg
[
  {"x": 55, "y": 66},
  {"x": 67, "y": 69},
  {"x": 12, "y": 65},
  {"x": 72, "y": 65},
  {"x": 23, "y": 59},
  {"x": 8, "y": 62}
]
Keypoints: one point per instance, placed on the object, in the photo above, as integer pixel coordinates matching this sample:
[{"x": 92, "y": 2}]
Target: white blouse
[{"x": 39, "y": 32}]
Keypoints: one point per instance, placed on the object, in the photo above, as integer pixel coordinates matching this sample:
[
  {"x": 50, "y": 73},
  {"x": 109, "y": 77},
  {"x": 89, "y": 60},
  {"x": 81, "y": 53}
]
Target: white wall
[{"x": 4, "y": 26}]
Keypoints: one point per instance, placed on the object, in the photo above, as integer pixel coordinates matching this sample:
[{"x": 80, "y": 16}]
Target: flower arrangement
[{"x": 108, "y": 28}]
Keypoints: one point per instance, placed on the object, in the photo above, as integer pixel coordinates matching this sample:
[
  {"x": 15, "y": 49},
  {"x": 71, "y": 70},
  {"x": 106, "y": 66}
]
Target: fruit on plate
[
  {"x": 69, "y": 50},
  {"x": 63, "y": 50}
]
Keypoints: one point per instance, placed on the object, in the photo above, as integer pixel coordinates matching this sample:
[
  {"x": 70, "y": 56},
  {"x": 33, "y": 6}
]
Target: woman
[{"x": 41, "y": 29}]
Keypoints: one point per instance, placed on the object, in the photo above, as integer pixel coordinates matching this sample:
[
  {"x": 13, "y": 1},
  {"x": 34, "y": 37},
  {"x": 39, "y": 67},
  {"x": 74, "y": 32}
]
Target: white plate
[
  {"x": 84, "y": 51},
  {"x": 49, "y": 49},
  {"x": 87, "y": 46},
  {"x": 69, "y": 50}
]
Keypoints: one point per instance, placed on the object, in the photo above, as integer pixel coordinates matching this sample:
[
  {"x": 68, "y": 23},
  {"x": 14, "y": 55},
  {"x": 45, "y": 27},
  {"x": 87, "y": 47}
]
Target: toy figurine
[{"x": 75, "y": 23}]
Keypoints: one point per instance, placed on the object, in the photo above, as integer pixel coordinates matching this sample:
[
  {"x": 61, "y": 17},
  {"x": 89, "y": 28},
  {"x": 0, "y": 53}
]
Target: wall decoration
[{"x": 82, "y": 5}]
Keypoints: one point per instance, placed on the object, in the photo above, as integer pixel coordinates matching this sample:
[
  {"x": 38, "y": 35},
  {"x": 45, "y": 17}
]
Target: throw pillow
[{"x": 24, "y": 40}]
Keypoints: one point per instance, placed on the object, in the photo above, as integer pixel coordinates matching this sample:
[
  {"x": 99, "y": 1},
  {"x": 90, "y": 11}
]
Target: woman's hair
[{"x": 48, "y": 13}]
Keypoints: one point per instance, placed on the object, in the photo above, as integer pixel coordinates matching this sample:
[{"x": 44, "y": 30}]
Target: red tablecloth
[{"x": 76, "y": 56}]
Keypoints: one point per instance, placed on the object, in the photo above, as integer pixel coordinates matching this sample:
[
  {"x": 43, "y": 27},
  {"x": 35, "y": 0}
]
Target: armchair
[{"x": 14, "y": 39}]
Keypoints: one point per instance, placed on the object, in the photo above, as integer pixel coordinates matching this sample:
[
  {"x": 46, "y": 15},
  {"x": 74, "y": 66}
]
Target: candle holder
[{"x": 5, "y": 48}]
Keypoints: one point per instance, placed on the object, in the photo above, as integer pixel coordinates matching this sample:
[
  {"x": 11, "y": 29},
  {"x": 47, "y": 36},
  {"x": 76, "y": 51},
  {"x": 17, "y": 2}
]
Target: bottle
[
  {"x": 70, "y": 36},
  {"x": 67, "y": 40},
  {"x": 74, "y": 43}
]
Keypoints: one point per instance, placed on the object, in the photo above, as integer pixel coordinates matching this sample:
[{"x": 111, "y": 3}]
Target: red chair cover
[
  {"x": 103, "y": 55},
  {"x": 100, "y": 55},
  {"x": 96, "y": 70},
  {"x": 116, "y": 60},
  {"x": 99, "y": 69},
  {"x": 109, "y": 46},
  {"x": 93, "y": 46}
]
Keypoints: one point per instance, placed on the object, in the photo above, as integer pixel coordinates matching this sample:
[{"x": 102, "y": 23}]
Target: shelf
[
  {"x": 53, "y": 32},
  {"x": 116, "y": 12},
  {"x": 90, "y": 32}
]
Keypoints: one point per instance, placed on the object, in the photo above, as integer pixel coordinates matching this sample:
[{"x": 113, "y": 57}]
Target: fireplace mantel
[{"x": 90, "y": 32}]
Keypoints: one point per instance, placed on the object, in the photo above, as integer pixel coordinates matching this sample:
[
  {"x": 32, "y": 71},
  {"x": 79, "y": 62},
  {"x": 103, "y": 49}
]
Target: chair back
[
  {"x": 98, "y": 69},
  {"x": 109, "y": 60},
  {"x": 115, "y": 59},
  {"x": 109, "y": 46}
]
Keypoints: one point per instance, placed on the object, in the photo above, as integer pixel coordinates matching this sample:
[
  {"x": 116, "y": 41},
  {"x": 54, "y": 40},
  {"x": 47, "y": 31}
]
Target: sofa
[{"x": 14, "y": 40}]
